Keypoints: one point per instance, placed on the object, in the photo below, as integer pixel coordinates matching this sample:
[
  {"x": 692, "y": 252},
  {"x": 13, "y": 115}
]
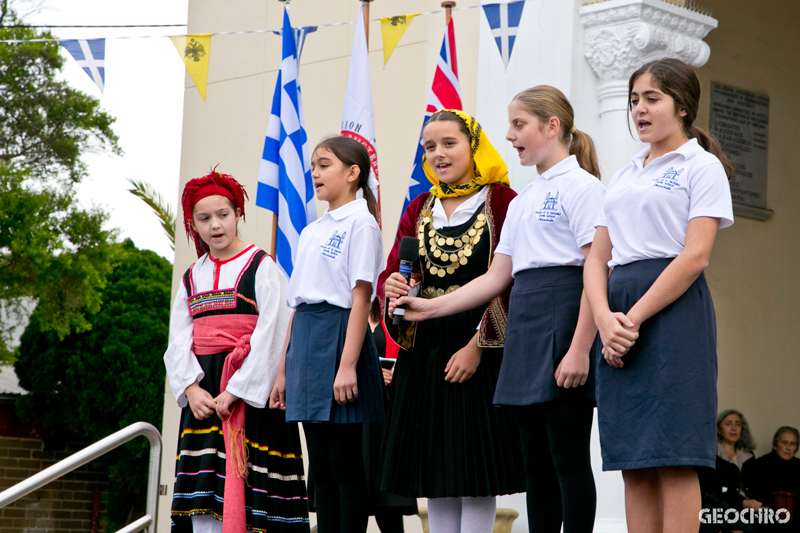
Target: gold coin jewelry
[{"x": 461, "y": 246}]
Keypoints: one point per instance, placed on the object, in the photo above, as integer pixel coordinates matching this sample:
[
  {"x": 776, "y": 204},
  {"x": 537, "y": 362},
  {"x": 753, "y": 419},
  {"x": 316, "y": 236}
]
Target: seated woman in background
[
  {"x": 731, "y": 485},
  {"x": 778, "y": 477}
]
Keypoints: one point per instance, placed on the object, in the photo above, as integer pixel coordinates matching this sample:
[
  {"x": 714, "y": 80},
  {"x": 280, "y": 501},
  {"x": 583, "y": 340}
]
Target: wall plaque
[{"x": 739, "y": 119}]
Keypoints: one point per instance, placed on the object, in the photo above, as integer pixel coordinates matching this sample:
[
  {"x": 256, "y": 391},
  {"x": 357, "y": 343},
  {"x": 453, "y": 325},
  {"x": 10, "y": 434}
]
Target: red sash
[{"x": 222, "y": 333}]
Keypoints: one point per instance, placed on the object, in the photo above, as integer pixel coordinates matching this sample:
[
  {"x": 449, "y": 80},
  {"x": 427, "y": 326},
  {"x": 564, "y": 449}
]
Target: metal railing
[{"x": 89, "y": 454}]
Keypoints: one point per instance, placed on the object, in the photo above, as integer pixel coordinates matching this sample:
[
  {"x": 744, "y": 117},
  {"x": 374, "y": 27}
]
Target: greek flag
[
  {"x": 504, "y": 22},
  {"x": 284, "y": 180},
  {"x": 91, "y": 56}
]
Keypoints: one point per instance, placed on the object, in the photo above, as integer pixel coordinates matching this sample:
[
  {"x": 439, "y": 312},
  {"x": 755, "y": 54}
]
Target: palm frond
[{"x": 162, "y": 209}]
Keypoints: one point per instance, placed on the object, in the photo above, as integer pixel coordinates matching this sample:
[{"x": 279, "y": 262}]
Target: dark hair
[
  {"x": 746, "y": 441},
  {"x": 375, "y": 311},
  {"x": 449, "y": 116},
  {"x": 678, "y": 80},
  {"x": 781, "y": 431},
  {"x": 544, "y": 102},
  {"x": 351, "y": 152}
]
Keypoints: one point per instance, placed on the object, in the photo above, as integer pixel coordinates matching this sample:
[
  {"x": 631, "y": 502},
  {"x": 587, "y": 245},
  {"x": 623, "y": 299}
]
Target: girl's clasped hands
[
  {"x": 619, "y": 334},
  {"x": 204, "y": 405}
]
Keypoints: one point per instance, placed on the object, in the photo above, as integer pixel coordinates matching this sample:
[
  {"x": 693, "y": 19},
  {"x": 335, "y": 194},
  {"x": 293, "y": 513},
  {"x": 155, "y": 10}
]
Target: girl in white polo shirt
[
  {"x": 546, "y": 378},
  {"x": 331, "y": 378},
  {"x": 656, "y": 388}
]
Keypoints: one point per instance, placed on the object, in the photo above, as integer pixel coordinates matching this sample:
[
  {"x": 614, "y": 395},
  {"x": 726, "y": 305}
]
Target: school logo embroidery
[
  {"x": 549, "y": 211},
  {"x": 334, "y": 246},
  {"x": 668, "y": 180}
]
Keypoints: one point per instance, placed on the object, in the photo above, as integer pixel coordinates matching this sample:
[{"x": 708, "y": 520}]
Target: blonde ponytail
[
  {"x": 582, "y": 147},
  {"x": 544, "y": 102}
]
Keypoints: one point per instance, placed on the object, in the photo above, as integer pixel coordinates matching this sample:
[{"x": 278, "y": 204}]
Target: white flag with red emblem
[{"x": 358, "y": 120}]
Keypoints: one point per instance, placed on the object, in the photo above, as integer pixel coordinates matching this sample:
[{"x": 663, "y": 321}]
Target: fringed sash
[{"x": 216, "y": 334}]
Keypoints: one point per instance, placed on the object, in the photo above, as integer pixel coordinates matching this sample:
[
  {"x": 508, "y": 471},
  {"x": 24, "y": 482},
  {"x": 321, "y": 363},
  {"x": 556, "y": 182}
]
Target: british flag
[{"x": 445, "y": 94}]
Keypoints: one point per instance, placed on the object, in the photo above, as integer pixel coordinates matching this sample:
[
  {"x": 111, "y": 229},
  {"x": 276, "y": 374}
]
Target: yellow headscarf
[{"x": 489, "y": 166}]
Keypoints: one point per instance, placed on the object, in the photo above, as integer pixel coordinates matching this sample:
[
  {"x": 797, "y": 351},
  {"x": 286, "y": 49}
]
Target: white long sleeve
[
  {"x": 182, "y": 366},
  {"x": 253, "y": 382}
]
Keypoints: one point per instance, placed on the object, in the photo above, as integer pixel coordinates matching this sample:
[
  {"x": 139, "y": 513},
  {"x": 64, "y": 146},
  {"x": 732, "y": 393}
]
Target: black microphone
[{"x": 409, "y": 251}]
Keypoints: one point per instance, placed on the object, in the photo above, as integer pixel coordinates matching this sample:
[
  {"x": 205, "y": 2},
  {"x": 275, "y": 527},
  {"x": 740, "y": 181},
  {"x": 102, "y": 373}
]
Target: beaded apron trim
[{"x": 206, "y": 301}]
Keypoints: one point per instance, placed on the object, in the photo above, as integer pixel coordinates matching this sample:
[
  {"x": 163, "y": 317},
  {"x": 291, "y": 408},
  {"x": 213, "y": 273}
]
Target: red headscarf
[{"x": 211, "y": 184}]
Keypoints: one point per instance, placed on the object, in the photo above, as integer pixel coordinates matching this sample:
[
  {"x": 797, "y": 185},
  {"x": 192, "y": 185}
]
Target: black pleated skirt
[
  {"x": 542, "y": 315},
  {"x": 275, "y": 493},
  {"x": 660, "y": 409},
  {"x": 312, "y": 360},
  {"x": 447, "y": 439}
]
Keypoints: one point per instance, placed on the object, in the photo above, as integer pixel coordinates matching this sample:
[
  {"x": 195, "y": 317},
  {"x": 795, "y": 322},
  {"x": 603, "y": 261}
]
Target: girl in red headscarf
[{"x": 239, "y": 465}]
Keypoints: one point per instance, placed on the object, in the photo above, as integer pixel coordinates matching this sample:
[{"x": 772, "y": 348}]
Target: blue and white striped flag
[
  {"x": 284, "y": 180},
  {"x": 91, "y": 56},
  {"x": 299, "y": 37},
  {"x": 504, "y": 22}
]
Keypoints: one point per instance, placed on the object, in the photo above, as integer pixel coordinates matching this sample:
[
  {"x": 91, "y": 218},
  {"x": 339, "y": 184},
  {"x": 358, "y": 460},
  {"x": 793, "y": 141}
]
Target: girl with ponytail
[
  {"x": 657, "y": 364},
  {"x": 330, "y": 377},
  {"x": 546, "y": 379}
]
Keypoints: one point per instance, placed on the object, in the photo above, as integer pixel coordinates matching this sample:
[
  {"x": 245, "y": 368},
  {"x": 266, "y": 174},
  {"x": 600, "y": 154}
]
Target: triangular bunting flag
[
  {"x": 504, "y": 21},
  {"x": 194, "y": 51},
  {"x": 392, "y": 29},
  {"x": 91, "y": 56},
  {"x": 299, "y": 37}
]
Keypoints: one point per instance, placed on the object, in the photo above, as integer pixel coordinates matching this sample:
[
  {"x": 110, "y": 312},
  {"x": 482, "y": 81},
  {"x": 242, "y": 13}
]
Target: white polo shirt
[
  {"x": 337, "y": 250},
  {"x": 553, "y": 217},
  {"x": 647, "y": 208}
]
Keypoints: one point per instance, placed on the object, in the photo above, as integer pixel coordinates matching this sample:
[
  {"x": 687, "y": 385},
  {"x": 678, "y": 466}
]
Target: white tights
[
  {"x": 206, "y": 523},
  {"x": 462, "y": 515}
]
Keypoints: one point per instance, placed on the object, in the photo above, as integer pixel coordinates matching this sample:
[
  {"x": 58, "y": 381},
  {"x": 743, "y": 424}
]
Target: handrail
[{"x": 89, "y": 454}]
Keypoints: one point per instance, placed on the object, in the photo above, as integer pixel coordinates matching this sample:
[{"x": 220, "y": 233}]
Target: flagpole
[
  {"x": 366, "y": 4},
  {"x": 448, "y": 11}
]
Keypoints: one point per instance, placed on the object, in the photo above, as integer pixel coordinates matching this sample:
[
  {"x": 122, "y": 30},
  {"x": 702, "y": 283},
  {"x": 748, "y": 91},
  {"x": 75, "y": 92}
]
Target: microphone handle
[{"x": 405, "y": 271}]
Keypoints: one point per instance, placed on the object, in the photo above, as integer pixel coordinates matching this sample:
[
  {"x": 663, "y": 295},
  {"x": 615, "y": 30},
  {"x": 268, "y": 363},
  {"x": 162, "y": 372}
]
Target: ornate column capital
[{"x": 622, "y": 35}]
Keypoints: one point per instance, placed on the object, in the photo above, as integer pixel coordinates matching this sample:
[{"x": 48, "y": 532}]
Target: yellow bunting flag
[
  {"x": 194, "y": 51},
  {"x": 392, "y": 29}
]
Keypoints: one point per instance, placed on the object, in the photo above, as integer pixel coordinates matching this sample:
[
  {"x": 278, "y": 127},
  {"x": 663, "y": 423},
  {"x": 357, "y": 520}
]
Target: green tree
[
  {"x": 52, "y": 251},
  {"x": 90, "y": 384}
]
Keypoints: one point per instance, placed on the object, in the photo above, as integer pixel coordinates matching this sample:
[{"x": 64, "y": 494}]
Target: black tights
[
  {"x": 555, "y": 447},
  {"x": 336, "y": 458},
  {"x": 389, "y": 520}
]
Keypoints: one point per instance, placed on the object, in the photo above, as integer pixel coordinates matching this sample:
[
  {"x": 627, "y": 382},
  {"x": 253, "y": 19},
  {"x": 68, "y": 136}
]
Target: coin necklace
[{"x": 447, "y": 254}]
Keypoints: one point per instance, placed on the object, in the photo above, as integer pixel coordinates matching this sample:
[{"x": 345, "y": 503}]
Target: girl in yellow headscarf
[{"x": 445, "y": 440}]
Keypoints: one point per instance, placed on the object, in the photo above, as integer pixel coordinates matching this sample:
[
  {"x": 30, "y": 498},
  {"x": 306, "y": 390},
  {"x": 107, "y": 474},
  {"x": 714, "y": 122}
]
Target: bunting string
[
  {"x": 194, "y": 49},
  {"x": 246, "y": 32}
]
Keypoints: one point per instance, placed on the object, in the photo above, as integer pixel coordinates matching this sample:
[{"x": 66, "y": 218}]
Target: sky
[{"x": 144, "y": 85}]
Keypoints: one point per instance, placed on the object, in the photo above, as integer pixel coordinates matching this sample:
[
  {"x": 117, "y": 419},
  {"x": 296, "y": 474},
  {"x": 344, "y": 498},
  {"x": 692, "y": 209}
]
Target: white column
[{"x": 619, "y": 37}]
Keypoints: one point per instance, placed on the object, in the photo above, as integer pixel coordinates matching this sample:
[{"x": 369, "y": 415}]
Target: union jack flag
[{"x": 445, "y": 94}]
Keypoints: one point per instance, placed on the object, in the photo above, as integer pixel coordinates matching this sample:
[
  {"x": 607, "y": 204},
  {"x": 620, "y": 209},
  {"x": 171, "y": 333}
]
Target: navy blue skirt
[
  {"x": 312, "y": 360},
  {"x": 660, "y": 409},
  {"x": 542, "y": 315}
]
